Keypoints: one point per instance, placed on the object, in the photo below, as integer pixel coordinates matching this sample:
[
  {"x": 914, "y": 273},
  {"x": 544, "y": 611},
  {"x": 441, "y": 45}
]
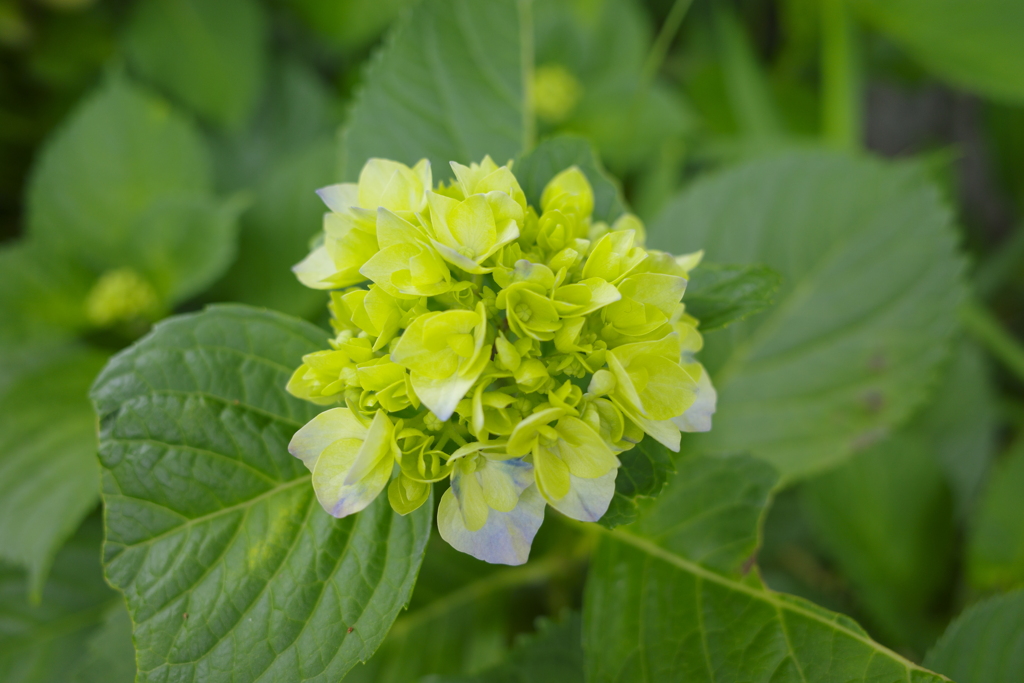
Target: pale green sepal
[
  {"x": 697, "y": 417},
  {"x": 340, "y": 197},
  {"x": 329, "y": 426},
  {"x": 316, "y": 270},
  {"x": 351, "y": 472},
  {"x": 506, "y": 537},
  {"x": 587, "y": 499}
]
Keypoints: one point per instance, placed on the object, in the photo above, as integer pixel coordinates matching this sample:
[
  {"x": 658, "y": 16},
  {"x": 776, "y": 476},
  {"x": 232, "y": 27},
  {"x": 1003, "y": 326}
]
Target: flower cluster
[{"x": 513, "y": 352}]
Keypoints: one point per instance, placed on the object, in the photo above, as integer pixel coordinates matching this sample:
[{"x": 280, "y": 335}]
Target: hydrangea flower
[{"x": 477, "y": 340}]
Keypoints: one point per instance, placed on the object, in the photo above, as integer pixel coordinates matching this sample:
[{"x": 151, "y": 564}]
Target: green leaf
[
  {"x": 984, "y": 644},
  {"x": 276, "y": 232},
  {"x": 995, "y": 557},
  {"x": 551, "y": 655},
  {"x": 719, "y": 295},
  {"x": 460, "y": 607},
  {"x": 126, "y": 182},
  {"x": 871, "y": 282},
  {"x": 352, "y": 24},
  {"x": 885, "y": 517},
  {"x": 231, "y": 569},
  {"x": 49, "y": 478},
  {"x": 975, "y": 45},
  {"x": 449, "y": 85},
  {"x": 535, "y": 168},
  {"x": 209, "y": 55},
  {"x": 42, "y": 295},
  {"x": 665, "y": 599},
  {"x": 110, "y": 656},
  {"x": 185, "y": 243},
  {"x": 644, "y": 472},
  {"x": 961, "y": 424},
  {"x": 47, "y": 642}
]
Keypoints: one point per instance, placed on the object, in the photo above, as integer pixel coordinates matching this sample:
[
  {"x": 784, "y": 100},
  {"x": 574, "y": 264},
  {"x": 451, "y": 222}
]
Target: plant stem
[
  {"x": 659, "y": 50},
  {"x": 842, "y": 115},
  {"x": 986, "y": 329}
]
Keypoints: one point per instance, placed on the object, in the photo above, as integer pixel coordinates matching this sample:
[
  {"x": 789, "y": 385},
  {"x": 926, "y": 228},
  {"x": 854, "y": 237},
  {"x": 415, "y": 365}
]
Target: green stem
[
  {"x": 987, "y": 330},
  {"x": 1003, "y": 264},
  {"x": 841, "y": 79},
  {"x": 659, "y": 50}
]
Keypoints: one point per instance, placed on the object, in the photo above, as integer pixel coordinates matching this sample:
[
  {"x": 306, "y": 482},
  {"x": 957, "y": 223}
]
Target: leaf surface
[
  {"x": 49, "y": 477},
  {"x": 231, "y": 569},
  {"x": 871, "y": 281},
  {"x": 47, "y": 642},
  {"x": 449, "y": 85},
  {"x": 985, "y": 644},
  {"x": 551, "y": 655},
  {"x": 975, "y": 45},
  {"x": 208, "y": 55},
  {"x": 995, "y": 557},
  {"x": 666, "y": 598},
  {"x": 645, "y": 470},
  {"x": 720, "y": 295}
]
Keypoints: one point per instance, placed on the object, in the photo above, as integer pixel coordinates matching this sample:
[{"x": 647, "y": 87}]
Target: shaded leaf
[
  {"x": 871, "y": 281},
  {"x": 985, "y": 644},
  {"x": 42, "y": 295},
  {"x": 231, "y": 569},
  {"x": 975, "y": 45},
  {"x": 645, "y": 470},
  {"x": 208, "y": 55},
  {"x": 535, "y": 168},
  {"x": 995, "y": 557},
  {"x": 110, "y": 656},
  {"x": 720, "y": 295},
  {"x": 461, "y": 607},
  {"x": 120, "y": 150},
  {"x": 46, "y": 643},
  {"x": 49, "y": 477},
  {"x": 657, "y": 607},
  {"x": 352, "y": 24},
  {"x": 276, "y": 232},
  {"x": 552, "y": 654},
  {"x": 885, "y": 517},
  {"x": 448, "y": 86}
]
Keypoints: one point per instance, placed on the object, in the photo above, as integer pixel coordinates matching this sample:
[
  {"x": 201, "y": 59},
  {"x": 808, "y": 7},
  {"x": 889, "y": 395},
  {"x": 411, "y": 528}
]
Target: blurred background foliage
[{"x": 157, "y": 155}]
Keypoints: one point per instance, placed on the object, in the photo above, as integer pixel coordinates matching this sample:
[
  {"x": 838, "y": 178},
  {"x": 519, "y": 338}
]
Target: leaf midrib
[{"x": 764, "y": 595}]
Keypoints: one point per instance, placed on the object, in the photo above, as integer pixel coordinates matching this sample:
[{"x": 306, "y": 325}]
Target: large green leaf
[
  {"x": 535, "y": 168},
  {"x": 961, "y": 424},
  {"x": 460, "y": 606},
  {"x": 231, "y": 569},
  {"x": 885, "y": 516},
  {"x": 995, "y": 556},
  {"x": 551, "y": 655},
  {"x": 184, "y": 244},
  {"x": 276, "y": 233},
  {"x": 449, "y": 85},
  {"x": 120, "y": 150},
  {"x": 719, "y": 295},
  {"x": 985, "y": 644},
  {"x": 42, "y": 295},
  {"x": 47, "y": 643},
  {"x": 208, "y": 55},
  {"x": 110, "y": 655},
  {"x": 871, "y": 281},
  {"x": 666, "y": 598},
  {"x": 49, "y": 478},
  {"x": 974, "y": 44}
]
